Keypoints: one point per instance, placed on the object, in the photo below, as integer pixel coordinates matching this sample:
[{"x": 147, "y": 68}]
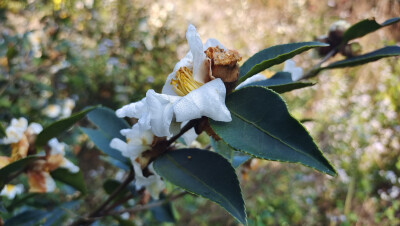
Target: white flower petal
[
  {"x": 120, "y": 145},
  {"x": 160, "y": 110},
  {"x": 254, "y": 78},
  {"x": 56, "y": 147},
  {"x": 52, "y": 111},
  {"x": 190, "y": 135},
  {"x": 289, "y": 64},
  {"x": 196, "y": 48},
  {"x": 138, "y": 172},
  {"x": 208, "y": 100},
  {"x": 187, "y": 61},
  {"x": 10, "y": 191},
  {"x": 213, "y": 43},
  {"x": 49, "y": 182},
  {"x": 133, "y": 110},
  {"x": 71, "y": 167},
  {"x": 296, "y": 72},
  {"x": 35, "y": 128},
  {"x": 15, "y": 131}
]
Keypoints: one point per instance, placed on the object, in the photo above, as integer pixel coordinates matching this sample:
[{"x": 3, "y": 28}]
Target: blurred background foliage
[{"x": 111, "y": 52}]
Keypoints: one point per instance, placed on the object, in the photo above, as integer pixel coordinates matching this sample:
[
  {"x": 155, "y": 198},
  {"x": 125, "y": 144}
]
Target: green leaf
[
  {"x": 28, "y": 218},
  {"x": 2, "y": 131},
  {"x": 204, "y": 173},
  {"x": 281, "y": 82},
  {"x": 109, "y": 127},
  {"x": 222, "y": 148},
  {"x": 58, "y": 214},
  {"x": 10, "y": 170},
  {"x": 110, "y": 185},
  {"x": 387, "y": 51},
  {"x": 262, "y": 126},
  {"x": 74, "y": 180},
  {"x": 163, "y": 213},
  {"x": 56, "y": 128},
  {"x": 365, "y": 27},
  {"x": 274, "y": 55},
  {"x": 106, "y": 120},
  {"x": 102, "y": 142}
]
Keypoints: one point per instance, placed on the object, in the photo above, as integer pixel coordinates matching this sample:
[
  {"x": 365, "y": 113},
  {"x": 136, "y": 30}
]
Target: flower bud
[
  {"x": 351, "y": 50},
  {"x": 336, "y": 32},
  {"x": 321, "y": 51}
]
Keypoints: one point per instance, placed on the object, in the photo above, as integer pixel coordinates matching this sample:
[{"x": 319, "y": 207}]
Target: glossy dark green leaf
[
  {"x": 74, "y": 180},
  {"x": 28, "y": 218},
  {"x": 204, "y": 173},
  {"x": 106, "y": 120},
  {"x": 387, "y": 51},
  {"x": 222, "y": 148},
  {"x": 2, "y": 131},
  {"x": 102, "y": 142},
  {"x": 281, "y": 82},
  {"x": 163, "y": 213},
  {"x": 58, "y": 127},
  {"x": 365, "y": 27},
  {"x": 262, "y": 126},
  {"x": 272, "y": 56},
  {"x": 58, "y": 214},
  {"x": 10, "y": 170}
]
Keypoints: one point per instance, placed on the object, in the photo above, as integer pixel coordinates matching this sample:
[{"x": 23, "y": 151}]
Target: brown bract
[{"x": 224, "y": 63}]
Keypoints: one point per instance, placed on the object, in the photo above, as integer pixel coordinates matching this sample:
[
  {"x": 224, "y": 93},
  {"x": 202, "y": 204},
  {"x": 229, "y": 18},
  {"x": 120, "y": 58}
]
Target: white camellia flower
[
  {"x": 17, "y": 129},
  {"x": 68, "y": 106},
  {"x": 52, "y": 110},
  {"x": 57, "y": 152},
  {"x": 10, "y": 191},
  {"x": 190, "y": 92},
  {"x": 152, "y": 183},
  {"x": 136, "y": 143}
]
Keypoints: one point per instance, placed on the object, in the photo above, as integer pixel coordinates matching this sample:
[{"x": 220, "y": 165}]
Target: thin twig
[
  {"x": 119, "y": 202},
  {"x": 96, "y": 213},
  {"x": 150, "y": 205},
  {"x": 310, "y": 73}
]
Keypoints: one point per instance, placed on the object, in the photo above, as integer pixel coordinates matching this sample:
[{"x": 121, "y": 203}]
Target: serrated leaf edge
[
  {"x": 307, "y": 47},
  {"x": 334, "y": 170}
]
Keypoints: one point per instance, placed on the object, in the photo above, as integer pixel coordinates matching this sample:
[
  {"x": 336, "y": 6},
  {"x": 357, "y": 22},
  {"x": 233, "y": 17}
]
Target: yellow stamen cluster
[
  {"x": 184, "y": 82},
  {"x": 9, "y": 187}
]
